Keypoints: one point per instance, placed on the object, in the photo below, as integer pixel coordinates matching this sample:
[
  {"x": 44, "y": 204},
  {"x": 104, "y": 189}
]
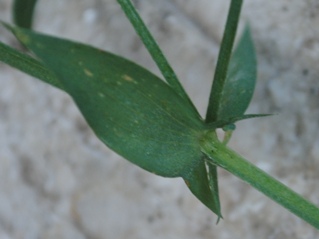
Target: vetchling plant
[{"x": 151, "y": 122}]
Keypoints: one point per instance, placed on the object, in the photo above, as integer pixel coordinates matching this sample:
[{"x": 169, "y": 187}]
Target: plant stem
[
  {"x": 154, "y": 49},
  {"x": 229, "y": 160},
  {"x": 223, "y": 61},
  {"x": 23, "y": 12}
]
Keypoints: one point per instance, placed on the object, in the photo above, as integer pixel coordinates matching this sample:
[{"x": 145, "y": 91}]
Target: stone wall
[{"x": 58, "y": 181}]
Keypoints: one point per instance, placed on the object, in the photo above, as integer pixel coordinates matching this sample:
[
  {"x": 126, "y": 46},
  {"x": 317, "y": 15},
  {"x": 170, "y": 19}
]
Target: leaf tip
[
  {"x": 19, "y": 33},
  {"x": 219, "y": 218},
  {"x": 23, "y": 38}
]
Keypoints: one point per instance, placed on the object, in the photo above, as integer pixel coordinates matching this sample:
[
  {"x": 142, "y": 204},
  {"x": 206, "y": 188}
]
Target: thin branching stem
[
  {"x": 223, "y": 61},
  {"x": 153, "y": 49},
  {"x": 23, "y": 12}
]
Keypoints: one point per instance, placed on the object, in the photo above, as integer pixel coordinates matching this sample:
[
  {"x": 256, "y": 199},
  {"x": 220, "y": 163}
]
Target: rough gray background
[{"x": 58, "y": 181}]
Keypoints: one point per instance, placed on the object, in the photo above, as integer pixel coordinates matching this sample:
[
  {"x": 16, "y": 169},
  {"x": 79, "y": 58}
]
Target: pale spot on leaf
[
  {"x": 23, "y": 37},
  {"x": 39, "y": 45},
  {"x": 88, "y": 73},
  {"x": 128, "y": 78},
  {"x": 101, "y": 95}
]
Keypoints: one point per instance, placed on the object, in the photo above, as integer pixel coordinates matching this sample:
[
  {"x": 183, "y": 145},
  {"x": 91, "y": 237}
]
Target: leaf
[
  {"x": 160, "y": 143},
  {"x": 28, "y": 65},
  {"x": 202, "y": 181},
  {"x": 240, "y": 82},
  {"x": 131, "y": 110},
  {"x": 211, "y": 171},
  {"x": 23, "y": 12},
  {"x": 228, "y": 123}
]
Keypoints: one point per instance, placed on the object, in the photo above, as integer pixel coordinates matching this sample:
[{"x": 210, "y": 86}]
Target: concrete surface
[{"x": 58, "y": 181}]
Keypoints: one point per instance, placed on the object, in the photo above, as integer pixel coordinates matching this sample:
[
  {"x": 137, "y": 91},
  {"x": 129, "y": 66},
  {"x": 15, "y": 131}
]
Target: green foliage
[
  {"x": 153, "y": 123},
  {"x": 240, "y": 81},
  {"x": 145, "y": 127},
  {"x": 201, "y": 179}
]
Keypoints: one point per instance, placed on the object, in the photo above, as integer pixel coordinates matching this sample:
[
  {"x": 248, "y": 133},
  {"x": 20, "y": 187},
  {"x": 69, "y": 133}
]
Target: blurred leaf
[
  {"x": 228, "y": 123},
  {"x": 202, "y": 181},
  {"x": 23, "y": 12},
  {"x": 211, "y": 171},
  {"x": 28, "y": 65},
  {"x": 240, "y": 82},
  {"x": 131, "y": 110}
]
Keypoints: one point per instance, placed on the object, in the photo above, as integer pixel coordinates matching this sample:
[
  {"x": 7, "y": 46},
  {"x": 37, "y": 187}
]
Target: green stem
[
  {"x": 23, "y": 12},
  {"x": 153, "y": 49},
  {"x": 223, "y": 61},
  {"x": 225, "y": 158}
]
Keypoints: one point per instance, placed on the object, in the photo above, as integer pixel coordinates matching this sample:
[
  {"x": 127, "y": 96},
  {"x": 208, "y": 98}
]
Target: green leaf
[
  {"x": 131, "y": 110},
  {"x": 202, "y": 181},
  {"x": 23, "y": 12},
  {"x": 28, "y": 65},
  {"x": 211, "y": 171},
  {"x": 240, "y": 82},
  {"x": 228, "y": 123}
]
